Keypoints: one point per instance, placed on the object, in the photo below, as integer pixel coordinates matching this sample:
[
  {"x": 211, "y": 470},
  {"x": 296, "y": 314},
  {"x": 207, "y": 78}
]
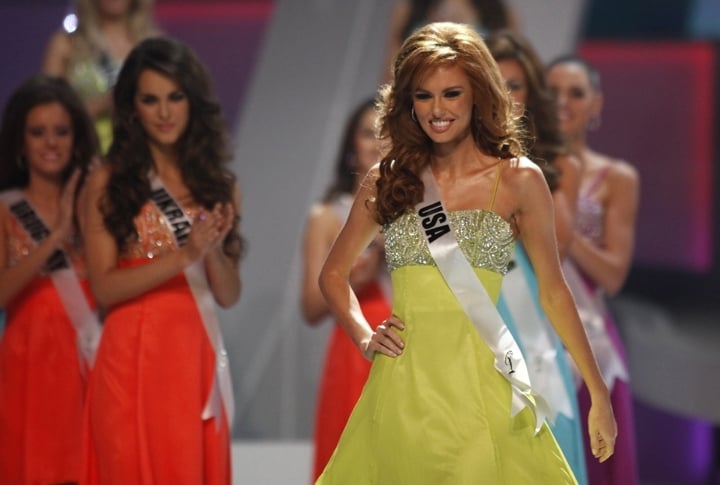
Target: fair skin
[
  {"x": 618, "y": 192},
  {"x": 323, "y": 226},
  {"x": 112, "y": 23},
  {"x": 163, "y": 110},
  {"x": 47, "y": 150},
  {"x": 465, "y": 176},
  {"x": 565, "y": 195}
]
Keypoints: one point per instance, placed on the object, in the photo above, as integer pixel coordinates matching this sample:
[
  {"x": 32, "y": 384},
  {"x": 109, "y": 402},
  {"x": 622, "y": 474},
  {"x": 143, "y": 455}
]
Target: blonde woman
[{"x": 90, "y": 55}]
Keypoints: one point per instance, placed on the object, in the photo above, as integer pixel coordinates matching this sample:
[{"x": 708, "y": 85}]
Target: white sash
[
  {"x": 592, "y": 311},
  {"x": 473, "y": 298},
  {"x": 221, "y": 393},
  {"x": 536, "y": 334},
  {"x": 63, "y": 276}
]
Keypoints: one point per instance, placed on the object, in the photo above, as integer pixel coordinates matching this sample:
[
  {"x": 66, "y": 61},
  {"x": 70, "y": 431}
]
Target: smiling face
[
  {"x": 48, "y": 140},
  {"x": 162, "y": 108},
  {"x": 443, "y": 104},
  {"x": 577, "y": 101}
]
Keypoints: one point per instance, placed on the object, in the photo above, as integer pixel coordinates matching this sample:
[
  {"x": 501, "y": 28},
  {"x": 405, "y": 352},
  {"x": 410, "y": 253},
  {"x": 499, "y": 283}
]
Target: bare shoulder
[
  {"x": 319, "y": 213},
  {"x": 622, "y": 170},
  {"x": 57, "y": 52},
  {"x": 522, "y": 173},
  {"x": 621, "y": 178}
]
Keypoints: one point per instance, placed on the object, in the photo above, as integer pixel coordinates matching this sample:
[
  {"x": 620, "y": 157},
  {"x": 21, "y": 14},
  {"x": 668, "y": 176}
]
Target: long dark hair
[
  {"x": 493, "y": 126},
  {"x": 544, "y": 142},
  {"x": 202, "y": 148},
  {"x": 493, "y": 14},
  {"x": 345, "y": 171},
  {"x": 36, "y": 91}
]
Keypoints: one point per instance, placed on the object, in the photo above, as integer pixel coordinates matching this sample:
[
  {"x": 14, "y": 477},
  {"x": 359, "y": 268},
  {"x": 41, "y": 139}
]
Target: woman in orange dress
[
  {"x": 163, "y": 248},
  {"x": 47, "y": 142},
  {"x": 345, "y": 370}
]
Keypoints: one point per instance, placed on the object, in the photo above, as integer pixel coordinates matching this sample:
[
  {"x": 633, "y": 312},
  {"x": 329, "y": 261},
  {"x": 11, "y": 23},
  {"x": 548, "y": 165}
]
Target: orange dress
[
  {"x": 153, "y": 373},
  {"x": 42, "y": 388}
]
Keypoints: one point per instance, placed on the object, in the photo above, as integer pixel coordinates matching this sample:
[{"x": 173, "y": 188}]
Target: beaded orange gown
[{"x": 153, "y": 373}]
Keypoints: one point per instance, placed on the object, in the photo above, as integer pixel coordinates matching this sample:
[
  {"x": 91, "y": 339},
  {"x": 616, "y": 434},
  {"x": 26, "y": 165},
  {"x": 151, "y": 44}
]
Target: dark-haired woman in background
[
  {"x": 345, "y": 370},
  {"x": 163, "y": 248},
  {"x": 600, "y": 254},
  {"x": 47, "y": 143}
]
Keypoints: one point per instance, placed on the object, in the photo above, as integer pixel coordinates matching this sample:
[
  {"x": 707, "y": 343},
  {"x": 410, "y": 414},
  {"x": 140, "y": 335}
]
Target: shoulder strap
[
  {"x": 496, "y": 184},
  {"x": 596, "y": 181}
]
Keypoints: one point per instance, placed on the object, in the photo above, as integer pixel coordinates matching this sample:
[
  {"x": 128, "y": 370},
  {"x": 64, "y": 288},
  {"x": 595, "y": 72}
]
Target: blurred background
[{"x": 287, "y": 72}]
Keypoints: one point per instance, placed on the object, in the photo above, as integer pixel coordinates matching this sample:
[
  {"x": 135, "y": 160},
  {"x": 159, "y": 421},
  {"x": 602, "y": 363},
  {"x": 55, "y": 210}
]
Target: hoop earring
[{"x": 412, "y": 114}]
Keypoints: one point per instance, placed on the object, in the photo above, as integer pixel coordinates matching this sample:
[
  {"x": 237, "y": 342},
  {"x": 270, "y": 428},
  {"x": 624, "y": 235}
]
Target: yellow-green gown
[{"x": 439, "y": 414}]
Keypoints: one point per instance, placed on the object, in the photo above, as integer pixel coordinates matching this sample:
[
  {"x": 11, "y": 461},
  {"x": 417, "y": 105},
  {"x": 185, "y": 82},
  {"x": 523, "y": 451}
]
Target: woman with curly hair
[
  {"x": 47, "y": 143},
  {"x": 524, "y": 76},
  {"x": 163, "y": 248},
  {"x": 90, "y": 53},
  {"x": 448, "y": 398}
]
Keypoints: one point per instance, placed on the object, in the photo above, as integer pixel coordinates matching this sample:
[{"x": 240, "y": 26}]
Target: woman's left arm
[
  {"x": 535, "y": 220},
  {"x": 223, "y": 271},
  {"x": 608, "y": 266}
]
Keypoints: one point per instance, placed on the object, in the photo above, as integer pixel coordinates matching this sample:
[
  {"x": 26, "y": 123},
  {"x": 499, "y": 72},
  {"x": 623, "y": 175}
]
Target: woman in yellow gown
[{"x": 436, "y": 408}]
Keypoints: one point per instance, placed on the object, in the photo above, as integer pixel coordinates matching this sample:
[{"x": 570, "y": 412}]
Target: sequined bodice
[
  {"x": 94, "y": 77},
  {"x": 484, "y": 237},
  {"x": 590, "y": 215},
  {"x": 155, "y": 236},
  {"x": 590, "y": 212}
]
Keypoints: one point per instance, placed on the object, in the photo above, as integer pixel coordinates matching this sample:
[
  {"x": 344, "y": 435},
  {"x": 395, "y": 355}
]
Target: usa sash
[{"x": 473, "y": 298}]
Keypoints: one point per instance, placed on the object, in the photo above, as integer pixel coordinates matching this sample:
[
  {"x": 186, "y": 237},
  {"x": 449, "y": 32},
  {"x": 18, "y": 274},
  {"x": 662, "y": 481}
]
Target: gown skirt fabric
[
  {"x": 153, "y": 373},
  {"x": 42, "y": 390},
  {"x": 343, "y": 377},
  {"x": 439, "y": 414}
]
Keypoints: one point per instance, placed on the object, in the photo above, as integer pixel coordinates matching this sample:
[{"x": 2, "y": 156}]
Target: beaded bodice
[
  {"x": 155, "y": 236},
  {"x": 484, "y": 237},
  {"x": 590, "y": 212},
  {"x": 94, "y": 77},
  {"x": 590, "y": 215}
]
